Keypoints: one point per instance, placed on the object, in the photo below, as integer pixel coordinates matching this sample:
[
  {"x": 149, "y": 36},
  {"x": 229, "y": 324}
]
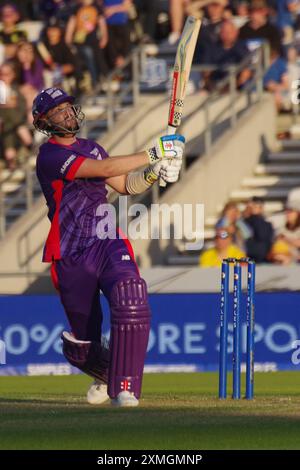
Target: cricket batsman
[{"x": 73, "y": 174}]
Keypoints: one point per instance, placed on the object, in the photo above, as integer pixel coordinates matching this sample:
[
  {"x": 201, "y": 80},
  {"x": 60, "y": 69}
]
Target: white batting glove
[
  {"x": 167, "y": 147},
  {"x": 168, "y": 171}
]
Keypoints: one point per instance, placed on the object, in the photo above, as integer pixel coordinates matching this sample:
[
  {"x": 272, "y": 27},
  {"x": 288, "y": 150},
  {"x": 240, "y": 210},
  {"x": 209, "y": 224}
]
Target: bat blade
[
  {"x": 181, "y": 73},
  {"x": 182, "y": 68}
]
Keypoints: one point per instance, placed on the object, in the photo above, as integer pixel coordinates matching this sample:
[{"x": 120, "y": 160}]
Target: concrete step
[
  {"x": 10, "y": 187},
  {"x": 264, "y": 193},
  {"x": 293, "y": 144},
  {"x": 14, "y": 213},
  {"x": 272, "y": 180},
  {"x": 284, "y": 156},
  {"x": 13, "y": 176},
  {"x": 273, "y": 168}
]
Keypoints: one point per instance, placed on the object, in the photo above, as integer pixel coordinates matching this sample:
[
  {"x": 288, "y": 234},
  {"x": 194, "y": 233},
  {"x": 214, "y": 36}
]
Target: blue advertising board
[{"x": 184, "y": 333}]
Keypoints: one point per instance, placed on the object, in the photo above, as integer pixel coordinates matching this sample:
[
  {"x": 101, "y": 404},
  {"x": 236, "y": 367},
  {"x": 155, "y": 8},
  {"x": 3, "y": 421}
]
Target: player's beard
[{"x": 71, "y": 124}]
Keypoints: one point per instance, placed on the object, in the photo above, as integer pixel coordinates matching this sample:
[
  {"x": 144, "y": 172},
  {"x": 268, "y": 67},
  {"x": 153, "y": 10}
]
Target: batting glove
[
  {"x": 168, "y": 171},
  {"x": 167, "y": 147}
]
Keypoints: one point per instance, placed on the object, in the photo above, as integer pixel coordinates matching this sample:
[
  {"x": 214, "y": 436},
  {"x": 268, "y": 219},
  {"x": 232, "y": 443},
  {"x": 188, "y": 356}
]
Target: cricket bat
[{"x": 181, "y": 73}]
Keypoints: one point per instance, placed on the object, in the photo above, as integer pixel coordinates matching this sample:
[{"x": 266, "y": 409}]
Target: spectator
[
  {"x": 116, "y": 14},
  {"x": 276, "y": 79},
  {"x": 31, "y": 71},
  {"x": 231, "y": 216},
  {"x": 224, "y": 248},
  {"x": 285, "y": 18},
  {"x": 293, "y": 66},
  {"x": 285, "y": 249},
  {"x": 148, "y": 12},
  {"x": 177, "y": 10},
  {"x": 181, "y": 8},
  {"x": 61, "y": 10},
  {"x": 25, "y": 8},
  {"x": 258, "y": 27},
  {"x": 242, "y": 9},
  {"x": 10, "y": 35},
  {"x": 258, "y": 246},
  {"x": 210, "y": 30},
  {"x": 229, "y": 51},
  {"x": 30, "y": 65},
  {"x": 13, "y": 117},
  {"x": 58, "y": 57},
  {"x": 87, "y": 30}
]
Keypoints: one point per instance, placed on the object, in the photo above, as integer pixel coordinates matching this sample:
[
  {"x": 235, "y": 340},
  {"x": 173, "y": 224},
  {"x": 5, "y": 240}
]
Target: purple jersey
[{"x": 72, "y": 202}]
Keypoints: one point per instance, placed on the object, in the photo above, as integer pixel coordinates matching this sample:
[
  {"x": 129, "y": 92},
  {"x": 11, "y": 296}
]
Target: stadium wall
[{"x": 184, "y": 333}]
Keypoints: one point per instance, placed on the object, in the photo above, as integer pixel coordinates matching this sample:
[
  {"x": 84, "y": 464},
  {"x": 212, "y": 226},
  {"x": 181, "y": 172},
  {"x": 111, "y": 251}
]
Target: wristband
[{"x": 137, "y": 183}]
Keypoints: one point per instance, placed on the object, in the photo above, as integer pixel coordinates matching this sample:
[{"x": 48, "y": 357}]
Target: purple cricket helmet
[{"x": 49, "y": 99}]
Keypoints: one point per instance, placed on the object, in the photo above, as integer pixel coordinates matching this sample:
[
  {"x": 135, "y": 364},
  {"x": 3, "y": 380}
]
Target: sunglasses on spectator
[{"x": 223, "y": 234}]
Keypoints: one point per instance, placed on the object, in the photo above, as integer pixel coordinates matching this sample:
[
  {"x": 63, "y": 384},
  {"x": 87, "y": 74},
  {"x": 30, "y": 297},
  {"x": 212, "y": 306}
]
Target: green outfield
[{"x": 178, "y": 411}]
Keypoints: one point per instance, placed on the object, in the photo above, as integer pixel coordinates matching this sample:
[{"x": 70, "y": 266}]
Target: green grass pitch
[{"x": 177, "y": 411}]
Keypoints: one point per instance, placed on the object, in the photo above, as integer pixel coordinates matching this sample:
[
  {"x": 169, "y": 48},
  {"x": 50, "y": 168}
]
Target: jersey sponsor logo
[
  {"x": 125, "y": 258},
  {"x": 95, "y": 152},
  {"x": 67, "y": 163}
]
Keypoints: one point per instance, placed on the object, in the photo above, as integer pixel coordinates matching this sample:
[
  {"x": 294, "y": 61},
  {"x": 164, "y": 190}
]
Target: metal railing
[
  {"x": 129, "y": 90},
  {"x": 24, "y": 195},
  {"x": 256, "y": 62}
]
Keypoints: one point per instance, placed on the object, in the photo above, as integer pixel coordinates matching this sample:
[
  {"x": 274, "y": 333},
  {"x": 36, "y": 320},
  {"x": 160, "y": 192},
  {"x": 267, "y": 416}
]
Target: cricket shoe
[
  {"x": 97, "y": 393},
  {"x": 125, "y": 399}
]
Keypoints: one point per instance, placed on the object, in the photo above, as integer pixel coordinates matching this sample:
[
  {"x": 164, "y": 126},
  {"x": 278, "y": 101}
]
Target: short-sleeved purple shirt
[{"x": 72, "y": 202}]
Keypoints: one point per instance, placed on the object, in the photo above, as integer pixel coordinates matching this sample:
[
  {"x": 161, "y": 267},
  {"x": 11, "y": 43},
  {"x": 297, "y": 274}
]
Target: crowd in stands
[
  {"x": 44, "y": 43},
  {"x": 251, "y": 234},
  {"x": 78, "y": 42}
]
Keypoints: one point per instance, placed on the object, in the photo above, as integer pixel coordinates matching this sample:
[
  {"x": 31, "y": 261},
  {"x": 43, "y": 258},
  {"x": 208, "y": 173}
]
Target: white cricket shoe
[
  {"x": 125, "y": 399},
  {"x": 97, "y": 393}
]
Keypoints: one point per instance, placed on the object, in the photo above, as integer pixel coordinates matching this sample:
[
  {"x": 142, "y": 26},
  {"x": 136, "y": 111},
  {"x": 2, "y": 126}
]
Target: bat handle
[{"x": 171, "y": 130}]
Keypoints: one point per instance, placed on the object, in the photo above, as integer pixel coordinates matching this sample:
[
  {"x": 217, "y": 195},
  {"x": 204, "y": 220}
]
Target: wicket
[{"x": 237, "y": 299}]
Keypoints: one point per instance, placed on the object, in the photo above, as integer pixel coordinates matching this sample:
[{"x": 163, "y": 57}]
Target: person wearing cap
[
  {"x": 88, "y": 252},
  {"x": 231, "y": 216},
  {"x": 224, "y": 248},
  {"x": 258, "y": 27}
]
